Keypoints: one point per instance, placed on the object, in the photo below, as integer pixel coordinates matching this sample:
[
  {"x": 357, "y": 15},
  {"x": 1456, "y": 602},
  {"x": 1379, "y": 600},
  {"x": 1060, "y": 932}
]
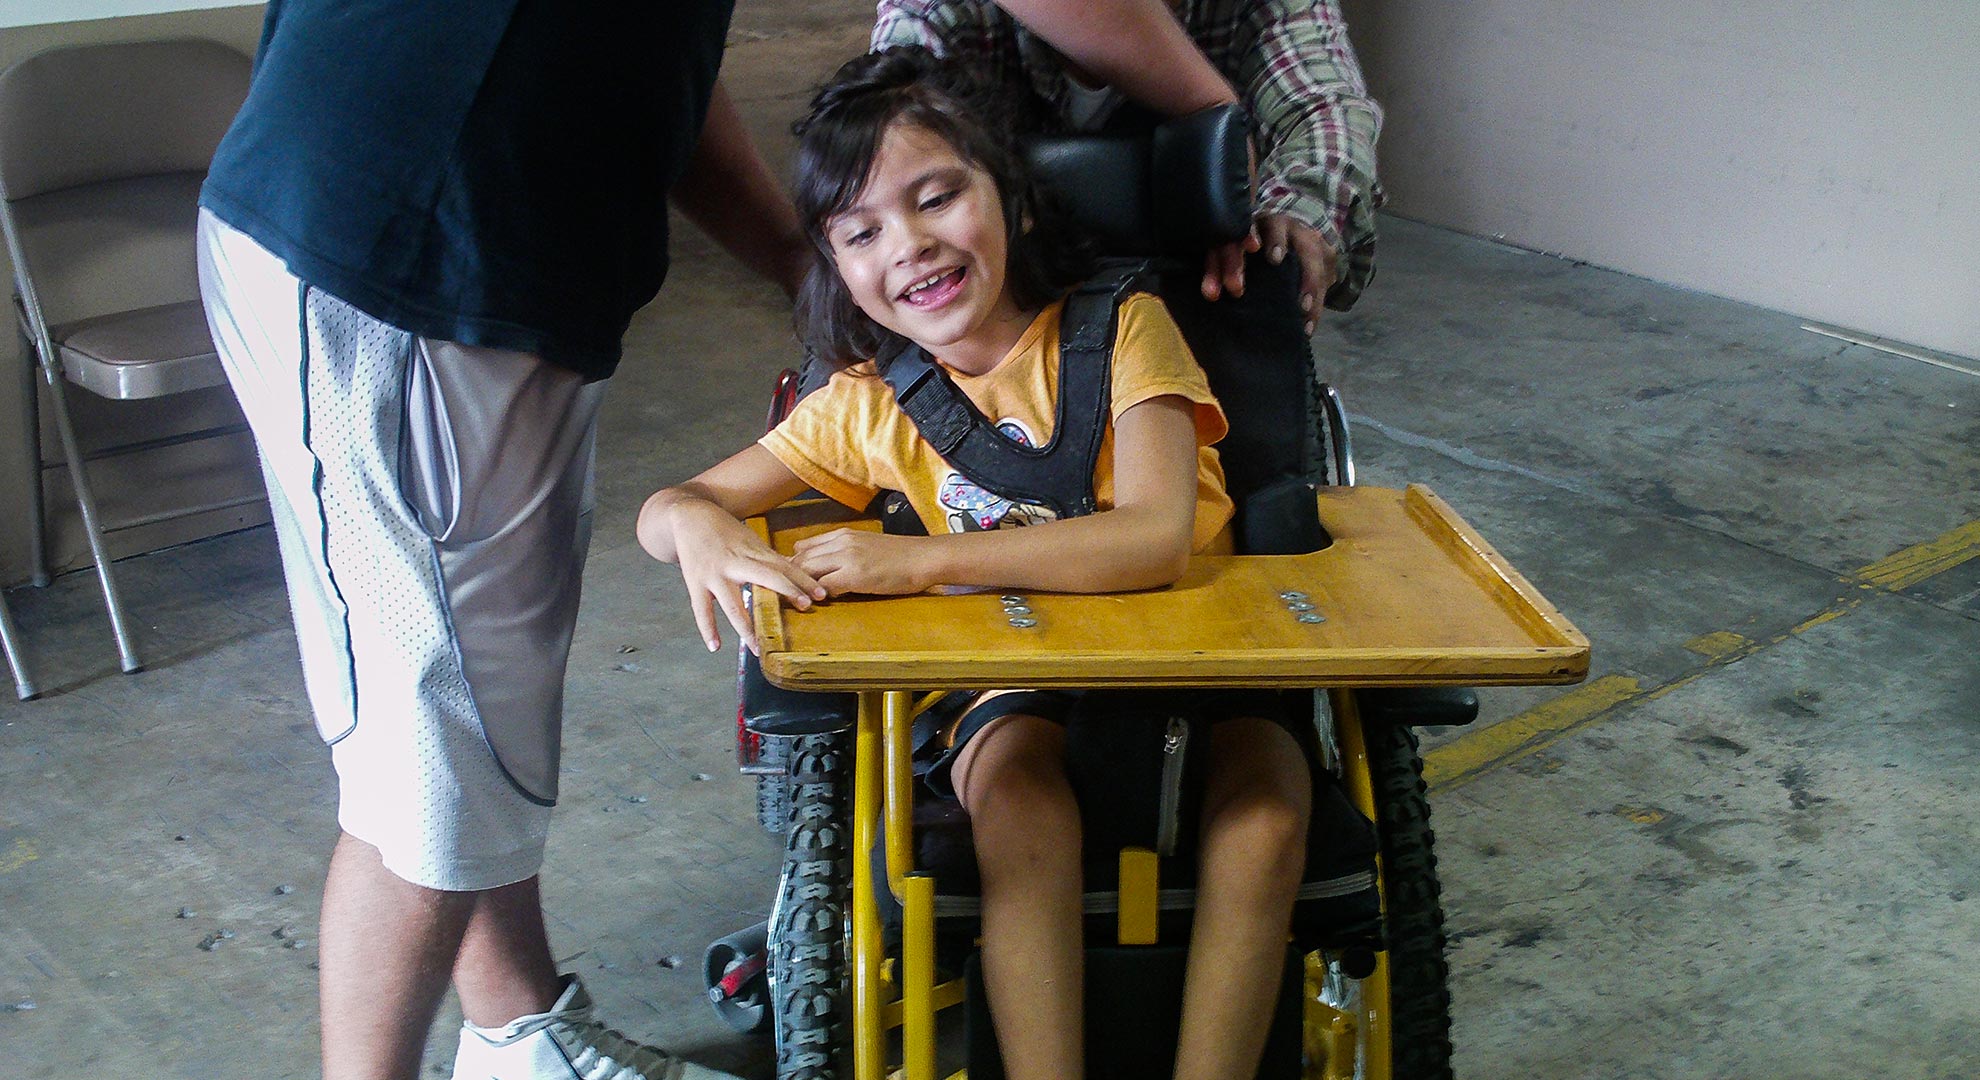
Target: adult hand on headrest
[
  {"x": 1318, "y": 261},
  {"x": 1223, "y": 265}
]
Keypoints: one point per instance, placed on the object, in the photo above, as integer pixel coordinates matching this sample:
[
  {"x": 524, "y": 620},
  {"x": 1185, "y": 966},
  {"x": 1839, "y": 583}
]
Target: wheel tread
[
  {"x": 1419, "y": 975},
  {"x": 808, "y": 926}
]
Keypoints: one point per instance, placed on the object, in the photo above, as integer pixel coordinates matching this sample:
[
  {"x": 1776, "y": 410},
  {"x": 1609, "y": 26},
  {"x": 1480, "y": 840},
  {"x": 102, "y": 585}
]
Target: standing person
[
  {"x": 1084, "y": 67},
  {"x": 420, "y": 245},
  {"x": 929, "y": 236}
]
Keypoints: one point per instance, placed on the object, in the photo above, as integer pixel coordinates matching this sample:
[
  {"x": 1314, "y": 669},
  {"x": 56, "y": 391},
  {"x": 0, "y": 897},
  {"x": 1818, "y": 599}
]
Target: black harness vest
[{"x": 1058, "y": 475}]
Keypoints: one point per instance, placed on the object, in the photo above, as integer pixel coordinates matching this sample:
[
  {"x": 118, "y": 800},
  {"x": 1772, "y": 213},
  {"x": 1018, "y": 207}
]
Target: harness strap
[{"x": 1058, "y": 475}]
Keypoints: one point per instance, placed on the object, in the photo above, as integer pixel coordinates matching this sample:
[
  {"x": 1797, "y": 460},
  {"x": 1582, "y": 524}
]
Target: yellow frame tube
[
  {"x": 918, "y": 978},
  {"x": 898, "y": 731},
  {"x": 1360, "y": 788},
  {"x": 916, "y": 892},
  {"x": 945, "y": 995},
  {"x": 883, "y": 783},
  {"x": 867, "y": 948}
]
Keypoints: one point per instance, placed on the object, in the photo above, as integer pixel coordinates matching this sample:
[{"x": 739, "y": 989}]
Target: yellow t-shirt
[{"x": 850, "y": 440}]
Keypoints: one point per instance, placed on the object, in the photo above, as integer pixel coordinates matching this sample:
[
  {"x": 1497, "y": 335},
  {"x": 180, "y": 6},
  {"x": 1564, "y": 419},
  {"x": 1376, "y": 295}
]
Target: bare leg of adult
[
  {"x": 386, "y": 949},
  {"x": 1255, "y": 813},
  {"x": 504, "y": 969},
  {"x": 1012, "y": 779}
]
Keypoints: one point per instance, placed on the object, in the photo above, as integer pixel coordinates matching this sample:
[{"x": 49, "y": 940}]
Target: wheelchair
[{"x": 1383, "y": 603}]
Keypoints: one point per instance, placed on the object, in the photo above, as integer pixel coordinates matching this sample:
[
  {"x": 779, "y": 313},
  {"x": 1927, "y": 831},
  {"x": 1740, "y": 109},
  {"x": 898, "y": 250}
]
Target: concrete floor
[{"x": 1744, "y": 849}]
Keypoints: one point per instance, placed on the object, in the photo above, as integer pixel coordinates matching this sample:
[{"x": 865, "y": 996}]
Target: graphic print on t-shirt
[{"x": 972, "y": 509}]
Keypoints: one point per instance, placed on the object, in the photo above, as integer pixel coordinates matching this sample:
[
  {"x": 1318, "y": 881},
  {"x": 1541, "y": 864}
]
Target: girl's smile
[
  {"x": 923, "y": 251},
  {"x": 936, "y": 289}
]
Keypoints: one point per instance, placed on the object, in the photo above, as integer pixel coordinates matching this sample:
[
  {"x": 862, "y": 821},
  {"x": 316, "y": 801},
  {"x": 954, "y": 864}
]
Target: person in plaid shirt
[
  {"x": 1288, "y": 61},
  {"x": 1096, "y": 64}
]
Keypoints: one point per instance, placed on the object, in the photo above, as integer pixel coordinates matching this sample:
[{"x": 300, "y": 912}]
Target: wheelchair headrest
[{"x": 1178, "y": 190}]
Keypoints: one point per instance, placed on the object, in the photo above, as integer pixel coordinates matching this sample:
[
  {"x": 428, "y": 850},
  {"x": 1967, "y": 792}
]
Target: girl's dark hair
[{"x": 837, "y": 142}]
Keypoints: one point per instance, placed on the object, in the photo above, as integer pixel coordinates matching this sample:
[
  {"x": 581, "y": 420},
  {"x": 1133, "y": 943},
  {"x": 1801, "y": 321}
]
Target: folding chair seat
[{"x": 102, "y": 152}]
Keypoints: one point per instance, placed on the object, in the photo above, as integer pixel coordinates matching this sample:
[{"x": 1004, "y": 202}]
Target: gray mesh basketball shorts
[{"x": 432, "y": 502}]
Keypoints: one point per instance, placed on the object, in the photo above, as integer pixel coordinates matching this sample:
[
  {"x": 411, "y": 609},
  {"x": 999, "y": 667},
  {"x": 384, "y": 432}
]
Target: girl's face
[{"x": 923, "y": 251}]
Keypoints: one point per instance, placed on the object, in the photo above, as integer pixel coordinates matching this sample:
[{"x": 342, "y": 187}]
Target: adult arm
[
  {"x": 1317, "y": 192},
  {"x": 1142, "y": 542},
  {"x": 729, "y": 192}
]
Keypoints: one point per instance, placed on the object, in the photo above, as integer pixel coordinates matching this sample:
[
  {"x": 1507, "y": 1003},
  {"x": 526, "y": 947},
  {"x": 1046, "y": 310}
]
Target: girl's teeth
[{"x": 928, "y": 282}]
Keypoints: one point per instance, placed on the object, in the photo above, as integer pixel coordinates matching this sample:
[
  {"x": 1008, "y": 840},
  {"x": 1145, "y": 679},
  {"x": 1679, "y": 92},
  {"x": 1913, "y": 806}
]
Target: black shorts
[{"x": 949, "y": 724}]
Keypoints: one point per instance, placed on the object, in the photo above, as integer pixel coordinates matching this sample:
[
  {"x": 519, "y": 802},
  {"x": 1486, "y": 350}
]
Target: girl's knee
[
  {"x": 1012, "y": 756},
  {"x": 1021, "y": 807},
  {"x": 1258, "y": 762},
  {"x": 1260, "y": 798},
  {"x": 1266, "y": 825}
]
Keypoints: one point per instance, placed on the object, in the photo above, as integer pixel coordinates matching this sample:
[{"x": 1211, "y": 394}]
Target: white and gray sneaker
[{"x": 567, "y": 1044}]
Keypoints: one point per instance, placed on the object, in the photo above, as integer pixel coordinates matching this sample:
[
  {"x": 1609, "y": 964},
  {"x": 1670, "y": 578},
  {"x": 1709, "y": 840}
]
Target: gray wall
[
  {"x": 133, "y": 486},
  {"x": 1820, "y": 159}
]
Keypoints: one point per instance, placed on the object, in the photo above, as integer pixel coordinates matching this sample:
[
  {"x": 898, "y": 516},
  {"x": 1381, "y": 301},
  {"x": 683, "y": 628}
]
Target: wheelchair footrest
[{"x": 1420, "y": 706}]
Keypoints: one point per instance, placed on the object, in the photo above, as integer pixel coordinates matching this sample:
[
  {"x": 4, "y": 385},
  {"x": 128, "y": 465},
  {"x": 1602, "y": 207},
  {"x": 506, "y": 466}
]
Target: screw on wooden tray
[{"x": 1300, "y": 606}]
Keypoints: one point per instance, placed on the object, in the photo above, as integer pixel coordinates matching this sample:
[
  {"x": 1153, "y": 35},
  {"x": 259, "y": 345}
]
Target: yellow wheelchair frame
[{"x": 1406, "y": 595}]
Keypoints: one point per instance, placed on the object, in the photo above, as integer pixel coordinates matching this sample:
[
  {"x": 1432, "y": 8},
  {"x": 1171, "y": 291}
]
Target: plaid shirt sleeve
[
  {"x": 1316, "y": 129},
  {"x": 968, "y": 32}
]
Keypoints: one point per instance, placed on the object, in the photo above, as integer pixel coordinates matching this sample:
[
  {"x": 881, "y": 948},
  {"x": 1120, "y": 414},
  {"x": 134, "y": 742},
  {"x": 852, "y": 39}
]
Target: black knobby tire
[
  {"x": 773, "y": 790},
  {"x": 1419, "y": 976},
  {"x": 808, "y": 962}
]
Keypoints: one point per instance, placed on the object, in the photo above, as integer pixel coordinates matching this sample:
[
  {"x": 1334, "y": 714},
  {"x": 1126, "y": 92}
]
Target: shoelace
[{"x": 603, "y": 1053}]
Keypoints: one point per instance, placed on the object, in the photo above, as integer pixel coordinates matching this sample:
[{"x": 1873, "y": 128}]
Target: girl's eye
[
  {"x": 857, "y": 239},
  {"x": 936, "y": 202}
]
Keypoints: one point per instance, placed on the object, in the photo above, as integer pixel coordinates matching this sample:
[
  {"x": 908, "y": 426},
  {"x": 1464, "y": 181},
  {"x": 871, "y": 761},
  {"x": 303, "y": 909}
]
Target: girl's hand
[
  {"x": 858, "y": 561},
  {"x": 699, "y": 526},
  {"x": 718, "y": 556}
]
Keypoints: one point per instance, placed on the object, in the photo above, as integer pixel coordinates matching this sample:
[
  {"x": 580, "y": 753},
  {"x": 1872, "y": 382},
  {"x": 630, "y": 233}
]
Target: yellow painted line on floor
[
  {"x": 1915, "y": 564},
  {"x": 21, "y": 854},
  {"x": 1508, "y": 740},
  {"x": 1717, "y": 644},
  {"x": 1486, "y": 749}
]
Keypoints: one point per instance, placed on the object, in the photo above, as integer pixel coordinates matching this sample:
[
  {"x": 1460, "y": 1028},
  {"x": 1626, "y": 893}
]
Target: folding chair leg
[
  {"x": 37, "y": 501},
  {"x": 10, "y": 640},
  {"x": 86, "y": 502}
]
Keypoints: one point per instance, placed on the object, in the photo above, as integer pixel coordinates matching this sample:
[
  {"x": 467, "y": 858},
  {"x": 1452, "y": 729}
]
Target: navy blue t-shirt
[{"x": 492, "y": 172}]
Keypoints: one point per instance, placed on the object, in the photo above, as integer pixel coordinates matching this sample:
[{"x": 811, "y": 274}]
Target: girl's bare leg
[
  {"x": 1012, "y": 779},
  {"x": 1253, "y": 852}
]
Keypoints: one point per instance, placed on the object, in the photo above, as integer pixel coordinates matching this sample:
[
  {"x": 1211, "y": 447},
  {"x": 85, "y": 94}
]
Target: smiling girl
[{"x": 928, "y": 233}]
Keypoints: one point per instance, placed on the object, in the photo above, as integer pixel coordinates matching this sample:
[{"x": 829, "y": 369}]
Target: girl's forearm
[
  {"x": 747, "y": 483},
  {"x": 659, "y": 518},
  {"x": 654, "y": 527},
  {"x": 1113, "y": 551},
  {"x": 1141, "y": 543}
]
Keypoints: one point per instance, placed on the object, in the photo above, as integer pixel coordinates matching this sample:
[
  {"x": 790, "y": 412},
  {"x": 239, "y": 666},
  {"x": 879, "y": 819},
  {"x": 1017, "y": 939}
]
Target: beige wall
[
  {"x": 137, "y": 485},
  {"x": 1820, "y": 159}
]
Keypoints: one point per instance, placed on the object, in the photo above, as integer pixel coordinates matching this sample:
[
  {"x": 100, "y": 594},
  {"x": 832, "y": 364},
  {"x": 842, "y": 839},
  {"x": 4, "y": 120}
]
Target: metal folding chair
[{"x": 102, "y": 152}]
